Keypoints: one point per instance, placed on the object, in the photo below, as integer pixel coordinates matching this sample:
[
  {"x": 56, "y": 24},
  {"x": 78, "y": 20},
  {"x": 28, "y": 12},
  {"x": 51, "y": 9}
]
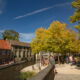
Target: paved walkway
[
  {"x": 67, "y": 72},
  {"x": 30, "y": 68}
]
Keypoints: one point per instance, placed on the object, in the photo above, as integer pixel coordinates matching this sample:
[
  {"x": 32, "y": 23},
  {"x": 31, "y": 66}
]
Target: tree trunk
[
  {"x": 79, "y": 34},
  {"x": 58, "y": 59}
]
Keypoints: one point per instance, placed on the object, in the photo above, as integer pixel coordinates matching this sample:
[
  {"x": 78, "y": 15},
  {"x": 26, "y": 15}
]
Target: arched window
[
  {"x": 15, "y": 53},
  {"x": 24, "y": 54},
  {"x": 19, "y": 53}
]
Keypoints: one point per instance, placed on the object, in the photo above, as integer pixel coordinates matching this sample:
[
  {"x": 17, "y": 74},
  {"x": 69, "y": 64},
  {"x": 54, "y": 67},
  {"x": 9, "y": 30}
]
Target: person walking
[
  {"x": 52, "y": 61},
  {"x": 67, "y": 60},
  {"x": 71, "y": 59},
  {"x": 44, "y": 60}
]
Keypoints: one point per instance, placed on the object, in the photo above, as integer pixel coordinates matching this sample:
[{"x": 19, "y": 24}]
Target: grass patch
[{"x": 27, "y": 74}]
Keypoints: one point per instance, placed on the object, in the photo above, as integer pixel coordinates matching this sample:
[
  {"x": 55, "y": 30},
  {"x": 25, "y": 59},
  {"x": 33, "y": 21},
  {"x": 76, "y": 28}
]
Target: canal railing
[
  {"x": 9, "y": 65},
  {"x": 45, "y": 74}
]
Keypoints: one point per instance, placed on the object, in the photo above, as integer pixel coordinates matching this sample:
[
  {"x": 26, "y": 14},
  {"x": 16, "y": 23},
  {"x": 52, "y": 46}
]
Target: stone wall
[{"x": 46, "y": 74}]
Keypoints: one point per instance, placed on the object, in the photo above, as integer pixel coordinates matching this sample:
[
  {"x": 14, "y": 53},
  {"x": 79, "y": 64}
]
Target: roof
[
  {"x": 4, "y": 44},
  {"x": 18, "y": 43}
]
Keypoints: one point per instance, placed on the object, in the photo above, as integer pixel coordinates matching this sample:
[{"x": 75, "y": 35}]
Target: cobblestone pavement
[{"x": 67, "y": 72}]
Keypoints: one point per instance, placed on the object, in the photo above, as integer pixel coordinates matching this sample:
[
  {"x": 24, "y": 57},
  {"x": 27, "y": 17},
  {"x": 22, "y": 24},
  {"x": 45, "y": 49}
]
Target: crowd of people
[
  {"x": 67, "y": 59},
  {"x": 63, "y": 59}
]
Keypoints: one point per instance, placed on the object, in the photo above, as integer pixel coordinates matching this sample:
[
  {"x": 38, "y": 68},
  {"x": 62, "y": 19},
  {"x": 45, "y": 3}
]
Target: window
[
  {"x": 15, "y": 53},
  {"x": 6, "y": 52},
  {"x": 0, "y": 52},
  {"x": 30, "y": 53},
  {"x": 24, "y": 47},
  {"x": 19, "y": 47},
  {"x": 19, "y": 53},
  {"x": 24, "y": 54},
  {"x": 27, "y": 53},
  {"x": 3, "y": 52}
]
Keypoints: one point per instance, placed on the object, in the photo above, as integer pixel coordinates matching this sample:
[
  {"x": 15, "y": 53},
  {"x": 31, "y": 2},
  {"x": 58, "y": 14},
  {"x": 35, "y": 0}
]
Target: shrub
[
  {"x": 78, "y": 58},
  {"x": 27, "y": 74}
]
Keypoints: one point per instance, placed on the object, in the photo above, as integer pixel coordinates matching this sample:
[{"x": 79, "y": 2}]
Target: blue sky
[{"x": 25, "y": 16}]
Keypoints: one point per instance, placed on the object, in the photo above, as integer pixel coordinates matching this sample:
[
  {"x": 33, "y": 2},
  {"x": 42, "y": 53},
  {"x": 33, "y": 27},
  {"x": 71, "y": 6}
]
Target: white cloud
[
  {"x": 27, "y": 37},
  {"x": 41, "y": 10},
  {"x": 32, "y": 13},
  {"x": 1, "y": 31}
]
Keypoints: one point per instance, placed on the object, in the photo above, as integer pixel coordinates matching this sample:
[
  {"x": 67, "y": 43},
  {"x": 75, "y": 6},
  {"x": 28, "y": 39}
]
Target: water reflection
[{"x": 13, "y": 72}]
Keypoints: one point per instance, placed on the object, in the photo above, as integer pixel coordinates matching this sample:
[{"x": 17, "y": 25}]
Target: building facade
[
  {"x": 22, "y": 51},
  {"x": 6, "y": 56}
]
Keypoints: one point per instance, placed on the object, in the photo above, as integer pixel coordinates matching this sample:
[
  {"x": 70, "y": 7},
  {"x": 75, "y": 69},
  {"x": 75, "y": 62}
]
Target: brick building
[{"x": 5, "y": 52}]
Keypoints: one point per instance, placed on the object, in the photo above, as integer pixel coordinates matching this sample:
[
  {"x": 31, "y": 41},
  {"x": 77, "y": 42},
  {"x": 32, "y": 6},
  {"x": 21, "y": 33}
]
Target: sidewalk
[
  {"x": 67, "y": 72},
  {"x": 36, "y": 69}
]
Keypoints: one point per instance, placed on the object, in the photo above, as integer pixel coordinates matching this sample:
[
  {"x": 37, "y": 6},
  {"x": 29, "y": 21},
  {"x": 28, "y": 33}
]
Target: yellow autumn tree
[
  {"x": 56, "y": 39},
  {"x": 38, "y": 41}
]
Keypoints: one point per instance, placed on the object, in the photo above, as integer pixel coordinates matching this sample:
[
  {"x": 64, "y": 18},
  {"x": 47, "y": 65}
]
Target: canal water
[{"x": 13, "y": 72}]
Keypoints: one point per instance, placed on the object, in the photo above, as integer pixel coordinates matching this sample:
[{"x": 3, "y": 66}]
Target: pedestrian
[
  {"x": 44, "y": 60},
  {"x": 67, "y": 60},
  {"x": 71, "y": 59},
  {"x": 52, "y": 61}
]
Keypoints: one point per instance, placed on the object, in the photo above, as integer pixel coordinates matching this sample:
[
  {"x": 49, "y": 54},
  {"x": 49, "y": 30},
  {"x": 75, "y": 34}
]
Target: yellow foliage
[{"x": 55, "y": 39}]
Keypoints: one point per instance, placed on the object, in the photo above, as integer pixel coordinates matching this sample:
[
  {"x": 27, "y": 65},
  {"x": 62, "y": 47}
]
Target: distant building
[
  {"x": 5, "y": 52},
  {"x": 21, "y": 50},
  {"x": 15, "y": 50}
]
